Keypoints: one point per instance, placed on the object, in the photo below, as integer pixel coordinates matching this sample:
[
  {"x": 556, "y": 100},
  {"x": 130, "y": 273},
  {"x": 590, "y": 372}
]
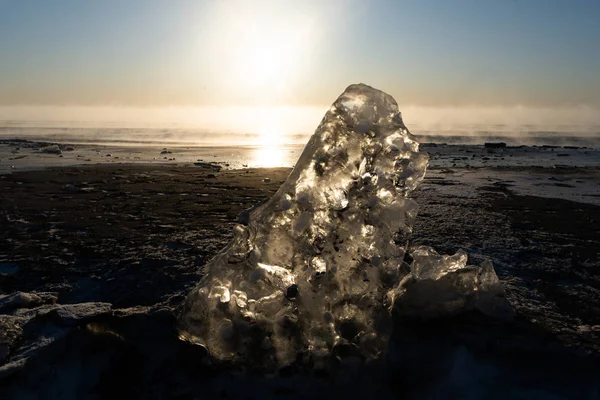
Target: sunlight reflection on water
[{"x": 273, "y": 156}]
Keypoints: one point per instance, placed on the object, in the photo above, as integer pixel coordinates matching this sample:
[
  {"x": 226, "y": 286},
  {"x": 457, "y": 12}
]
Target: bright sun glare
[
  {"x": 268, "y": 58},
  {"x": 263, "y": 65},
  {"x": 270, "y": 137},
  {"x": 260, "y": 51},
  {"x": 268, "y": 157},
  {"x": 269, "y": 129},
  {"x": 260, "y": 56},
  {"x": 270, "y": 152}
]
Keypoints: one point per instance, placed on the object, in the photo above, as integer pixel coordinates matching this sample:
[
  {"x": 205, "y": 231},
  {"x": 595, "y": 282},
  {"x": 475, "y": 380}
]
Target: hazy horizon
[{"x": 292, "y": 120}]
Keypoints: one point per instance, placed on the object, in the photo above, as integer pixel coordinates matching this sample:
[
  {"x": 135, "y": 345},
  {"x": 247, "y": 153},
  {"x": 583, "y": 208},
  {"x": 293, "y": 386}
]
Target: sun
[
  {"x": 264, "y": 64},
  {"x": 267, "y": 62},
  {"x": 259, "y": 51}
]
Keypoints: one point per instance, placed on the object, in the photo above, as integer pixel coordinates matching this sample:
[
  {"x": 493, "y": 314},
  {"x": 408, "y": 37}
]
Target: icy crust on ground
[{"x": 317, "y": 268}]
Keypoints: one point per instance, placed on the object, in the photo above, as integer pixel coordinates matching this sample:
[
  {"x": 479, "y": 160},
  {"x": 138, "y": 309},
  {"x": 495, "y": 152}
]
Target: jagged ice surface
[
  {"x": 317, "y": 268},
  {"x": 443, "y": 285}
]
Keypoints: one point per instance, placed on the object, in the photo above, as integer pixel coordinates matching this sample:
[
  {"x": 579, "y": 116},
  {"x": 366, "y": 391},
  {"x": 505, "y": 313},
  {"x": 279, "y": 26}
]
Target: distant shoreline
[
  {"x": 19, "y": 154},
  {"x": 424, "y": 140}
]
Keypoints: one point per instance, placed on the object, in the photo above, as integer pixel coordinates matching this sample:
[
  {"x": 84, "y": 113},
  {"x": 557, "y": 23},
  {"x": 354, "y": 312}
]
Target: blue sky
[{"x": 235, "y": 52}]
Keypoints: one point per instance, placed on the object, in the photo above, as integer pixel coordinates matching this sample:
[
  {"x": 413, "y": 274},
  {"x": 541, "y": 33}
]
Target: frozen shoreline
[
  {"x": 18, "y": 154},
  {"x": 570, "y": 173}
]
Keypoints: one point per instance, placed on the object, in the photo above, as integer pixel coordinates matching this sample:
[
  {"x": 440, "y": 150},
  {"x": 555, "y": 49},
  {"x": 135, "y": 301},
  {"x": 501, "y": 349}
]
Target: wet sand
[
  {"x": 135, "y": 237},
  {"x": 73, "y": 229}
]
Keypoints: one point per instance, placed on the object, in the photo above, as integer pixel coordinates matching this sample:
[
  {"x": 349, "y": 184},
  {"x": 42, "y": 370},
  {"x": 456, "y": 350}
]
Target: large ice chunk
[{"x": 315, "y": 270}]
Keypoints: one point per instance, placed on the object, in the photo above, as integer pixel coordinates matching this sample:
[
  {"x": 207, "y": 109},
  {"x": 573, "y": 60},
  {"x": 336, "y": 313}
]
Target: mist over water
[{"x": 270, "y": 126}]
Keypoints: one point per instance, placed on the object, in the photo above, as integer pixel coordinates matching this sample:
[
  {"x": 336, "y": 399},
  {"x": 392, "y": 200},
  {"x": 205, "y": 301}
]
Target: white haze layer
[{"x": 301, "y": 119}]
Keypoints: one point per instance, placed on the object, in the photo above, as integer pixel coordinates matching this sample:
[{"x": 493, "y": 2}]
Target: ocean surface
[
  {"x": 529, "y": 135},
  {"x": 23, "y": 146}
]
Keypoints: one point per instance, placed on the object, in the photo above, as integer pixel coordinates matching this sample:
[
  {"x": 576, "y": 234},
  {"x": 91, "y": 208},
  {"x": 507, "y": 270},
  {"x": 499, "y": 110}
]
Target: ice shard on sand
[{"x": 315, "y": 271}]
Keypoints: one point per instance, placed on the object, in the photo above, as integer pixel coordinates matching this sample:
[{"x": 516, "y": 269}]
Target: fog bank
[{"x": 293, "y": 120}]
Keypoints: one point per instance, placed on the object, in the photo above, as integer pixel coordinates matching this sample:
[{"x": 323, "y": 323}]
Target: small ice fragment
[
  {"x": 490, "y": 297},
  {"x": 428, "y": 264},
  {"x": 51, "y": 149},
  {"x": 442, "y": 285}
]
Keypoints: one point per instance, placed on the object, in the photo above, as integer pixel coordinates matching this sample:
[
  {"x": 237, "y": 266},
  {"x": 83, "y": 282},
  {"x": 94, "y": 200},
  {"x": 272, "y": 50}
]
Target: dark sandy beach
[{"x": 109, "y": 251}]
